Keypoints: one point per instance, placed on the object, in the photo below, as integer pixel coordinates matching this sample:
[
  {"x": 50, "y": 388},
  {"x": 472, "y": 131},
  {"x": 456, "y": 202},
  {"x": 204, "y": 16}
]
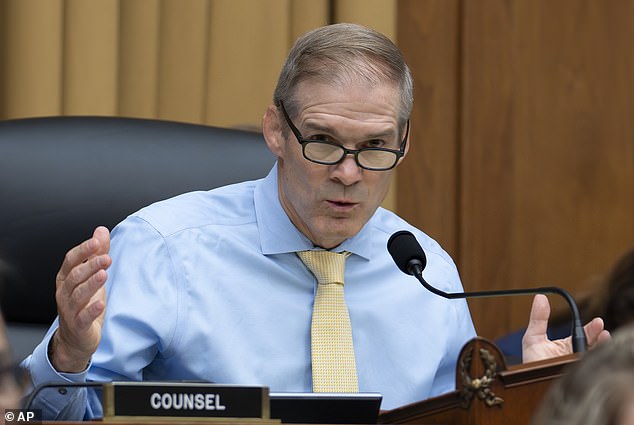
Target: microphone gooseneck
[{"x": 411, "y": 259}]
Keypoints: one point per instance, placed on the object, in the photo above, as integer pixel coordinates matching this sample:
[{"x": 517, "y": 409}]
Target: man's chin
[{"x": 335, "y": 231}]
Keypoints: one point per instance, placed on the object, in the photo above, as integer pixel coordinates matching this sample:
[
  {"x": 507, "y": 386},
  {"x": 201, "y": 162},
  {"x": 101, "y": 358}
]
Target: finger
[
  {"x": 99, "y": 243},
  {"x": 538, "y": 321},
  {"x": 86, "y": 316},
  {"x": 78, "y": 255},
  {"x": 82, "y": 272},
  {"x": 103, "y": 235},
  {"x": 82, "y": 293},
  {"x": 595, "y": 331},
  {"x": 604, "y": 336}
]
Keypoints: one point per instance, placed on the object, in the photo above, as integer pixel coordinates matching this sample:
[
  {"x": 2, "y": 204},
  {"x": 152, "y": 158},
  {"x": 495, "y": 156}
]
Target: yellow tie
[{"x": 334, "y": 367}]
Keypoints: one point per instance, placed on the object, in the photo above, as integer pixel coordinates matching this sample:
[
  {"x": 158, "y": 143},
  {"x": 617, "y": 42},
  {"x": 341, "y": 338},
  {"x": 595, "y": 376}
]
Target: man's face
[{"x": 330, "y": 203}]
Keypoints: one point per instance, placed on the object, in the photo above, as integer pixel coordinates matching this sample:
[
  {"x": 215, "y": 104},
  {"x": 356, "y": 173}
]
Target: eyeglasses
[{"x": 329, "y": 153}]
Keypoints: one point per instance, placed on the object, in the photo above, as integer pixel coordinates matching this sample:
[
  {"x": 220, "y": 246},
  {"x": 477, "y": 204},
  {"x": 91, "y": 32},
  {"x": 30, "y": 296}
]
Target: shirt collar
[{"x": 279, "y": 235}]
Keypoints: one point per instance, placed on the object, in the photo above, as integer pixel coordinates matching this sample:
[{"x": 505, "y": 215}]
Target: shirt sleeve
[
  {"x": 67, "y": 403},
  {"x": 140, "y": 322}
]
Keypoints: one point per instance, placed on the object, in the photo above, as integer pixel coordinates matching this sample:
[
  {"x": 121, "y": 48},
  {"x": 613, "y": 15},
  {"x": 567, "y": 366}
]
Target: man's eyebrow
[
  {"x": 315, "y": 127},
  {"x": 319, "y": 128}
]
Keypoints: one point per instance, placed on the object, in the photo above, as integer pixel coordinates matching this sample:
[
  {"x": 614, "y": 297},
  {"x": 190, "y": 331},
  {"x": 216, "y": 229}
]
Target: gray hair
[
  {"x": 596, "y": 389},
  {"x": 340, "y": 52}
]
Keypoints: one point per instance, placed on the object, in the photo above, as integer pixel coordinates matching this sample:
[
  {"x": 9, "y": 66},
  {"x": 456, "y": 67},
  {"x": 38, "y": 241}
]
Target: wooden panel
[
  {"x": 509, "y": 397},
  {"x": 427, "y": 33},
  {"x": 547, "y": 147},
  {"x": 487, "y": 162},
  {"x": 522, "y": 142}
]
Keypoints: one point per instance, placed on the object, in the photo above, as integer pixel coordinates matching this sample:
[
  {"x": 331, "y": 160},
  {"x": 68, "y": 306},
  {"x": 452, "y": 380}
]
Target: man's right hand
[{"x": 81, "y": 303}]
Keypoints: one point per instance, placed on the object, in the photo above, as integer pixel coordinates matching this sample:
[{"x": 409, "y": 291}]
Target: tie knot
[{"x": 328, "y": 267}]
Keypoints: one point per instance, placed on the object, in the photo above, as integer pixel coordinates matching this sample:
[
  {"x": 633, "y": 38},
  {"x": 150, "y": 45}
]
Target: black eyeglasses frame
[{"x": 303, "y": 142}]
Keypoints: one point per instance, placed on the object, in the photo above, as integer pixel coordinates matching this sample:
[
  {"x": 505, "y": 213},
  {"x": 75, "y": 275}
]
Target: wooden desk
[{"x": 487, "y": 391}]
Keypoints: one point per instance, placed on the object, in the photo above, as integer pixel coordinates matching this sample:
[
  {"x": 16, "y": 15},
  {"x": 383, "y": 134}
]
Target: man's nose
[{"x": 347, "y": 172}]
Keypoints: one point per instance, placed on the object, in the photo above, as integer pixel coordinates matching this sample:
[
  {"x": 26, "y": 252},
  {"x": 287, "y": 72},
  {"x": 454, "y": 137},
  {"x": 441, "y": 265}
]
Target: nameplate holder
[{"x": 184, "y": 401}]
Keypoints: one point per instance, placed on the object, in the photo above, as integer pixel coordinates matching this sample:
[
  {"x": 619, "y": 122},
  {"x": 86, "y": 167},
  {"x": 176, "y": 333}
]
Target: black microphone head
[{"x": 404, "y": 248}]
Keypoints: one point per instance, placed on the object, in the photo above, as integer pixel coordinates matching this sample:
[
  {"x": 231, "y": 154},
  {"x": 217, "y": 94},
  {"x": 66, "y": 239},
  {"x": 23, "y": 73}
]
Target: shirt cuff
[{"x": 42, "y": 372}]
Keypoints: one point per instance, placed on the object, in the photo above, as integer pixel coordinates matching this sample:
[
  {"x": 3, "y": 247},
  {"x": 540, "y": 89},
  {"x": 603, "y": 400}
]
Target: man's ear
[{"x": 272, "y": 130}]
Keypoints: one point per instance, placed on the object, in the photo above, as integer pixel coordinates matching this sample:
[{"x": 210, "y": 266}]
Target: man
[{"x": 213, "y": 286}]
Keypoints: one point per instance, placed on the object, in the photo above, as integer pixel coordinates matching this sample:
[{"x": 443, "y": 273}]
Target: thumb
[
  {"x": 103, "y": 235},
  {"x": 538, "y": 321}
]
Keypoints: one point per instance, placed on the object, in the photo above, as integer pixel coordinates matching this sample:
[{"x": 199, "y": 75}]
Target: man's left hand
[{"x": 535, "y": 343}]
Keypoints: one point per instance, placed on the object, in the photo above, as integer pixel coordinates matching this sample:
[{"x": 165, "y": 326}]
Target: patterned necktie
[{"x": 334, "y": 367}]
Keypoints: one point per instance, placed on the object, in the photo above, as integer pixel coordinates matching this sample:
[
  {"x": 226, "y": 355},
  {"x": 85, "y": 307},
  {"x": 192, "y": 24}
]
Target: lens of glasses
[
  {"x": 323, "y": 152},
  {"x": 377, "y": 160}
]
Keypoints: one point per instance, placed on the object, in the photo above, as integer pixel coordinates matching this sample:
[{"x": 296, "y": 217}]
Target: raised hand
[
  {"x": 81, "y": 303},
  {"x": 537, "y": 346}
]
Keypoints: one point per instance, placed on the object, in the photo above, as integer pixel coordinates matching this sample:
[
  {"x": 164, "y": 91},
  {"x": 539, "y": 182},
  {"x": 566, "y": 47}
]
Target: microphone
[{"x": 410, "y": 259}]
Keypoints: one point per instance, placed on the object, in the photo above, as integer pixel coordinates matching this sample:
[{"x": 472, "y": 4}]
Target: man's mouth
[{"x": 341, "y": 205}]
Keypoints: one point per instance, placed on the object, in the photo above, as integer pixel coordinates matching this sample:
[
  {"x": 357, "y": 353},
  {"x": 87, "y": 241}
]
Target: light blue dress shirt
[{"x": 207, "y": 286}]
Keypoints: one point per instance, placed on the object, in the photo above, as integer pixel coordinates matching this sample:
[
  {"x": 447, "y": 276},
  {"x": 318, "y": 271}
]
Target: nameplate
[{"x": 184, "y": 401}]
